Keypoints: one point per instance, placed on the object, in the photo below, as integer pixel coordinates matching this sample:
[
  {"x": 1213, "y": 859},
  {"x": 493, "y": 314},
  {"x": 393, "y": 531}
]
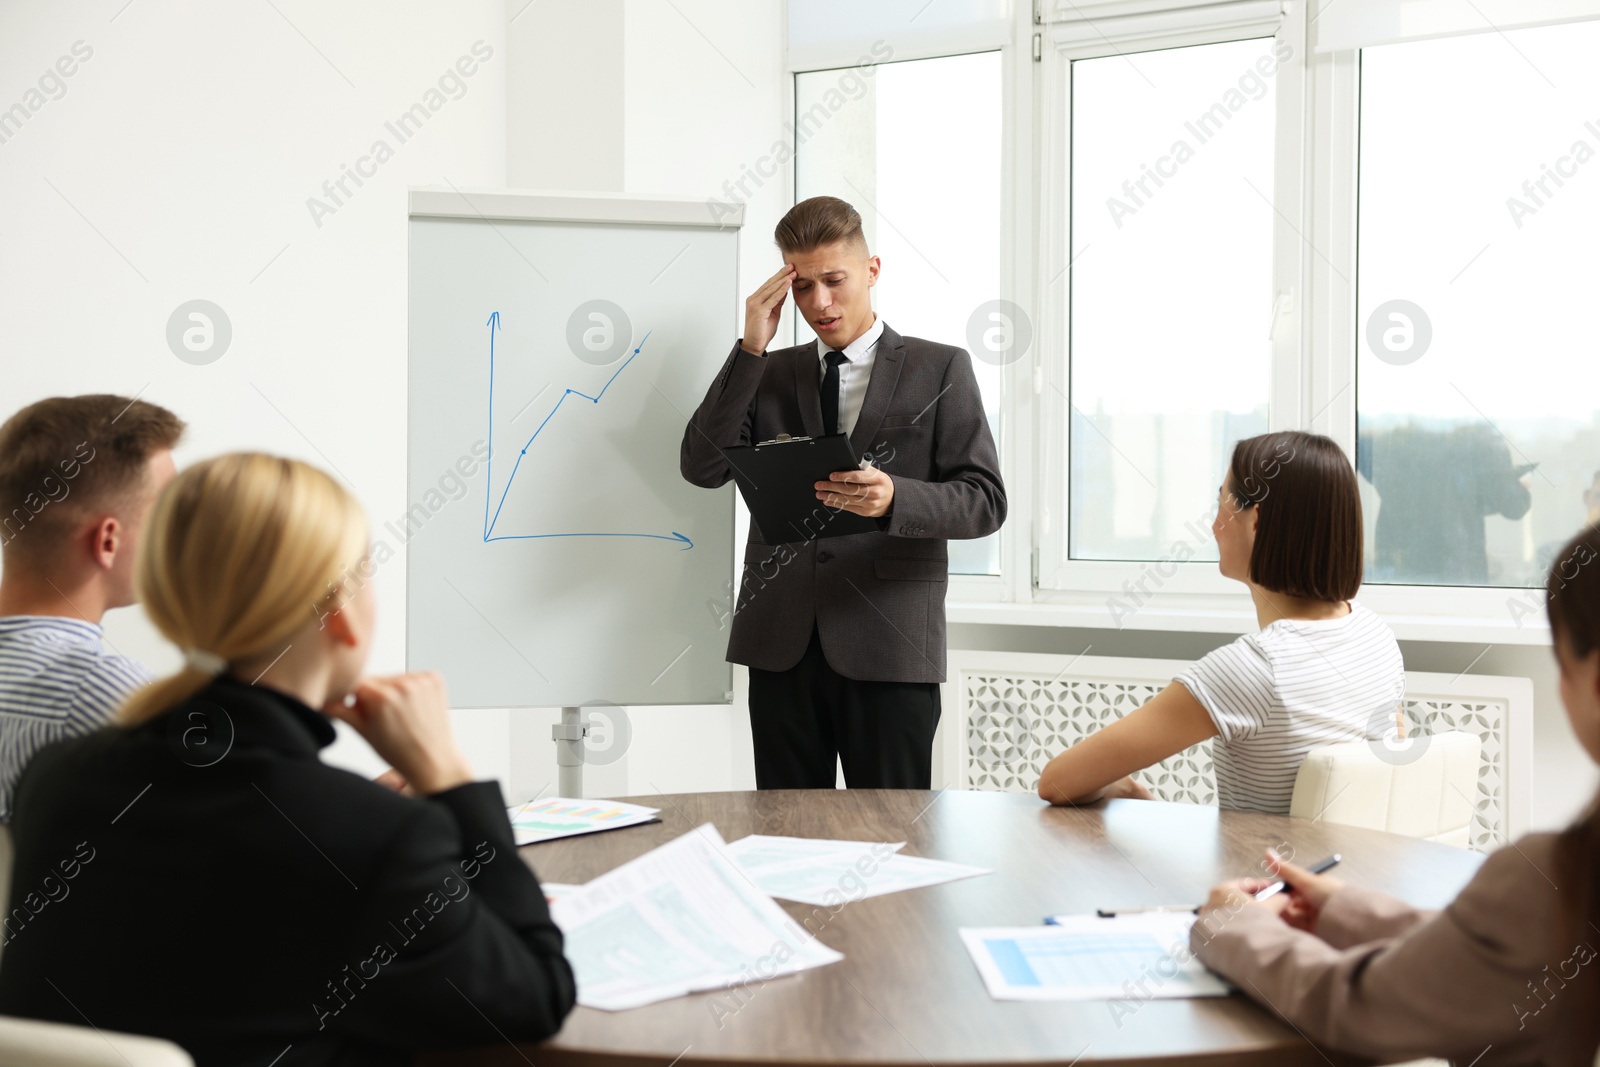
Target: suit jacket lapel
[
  {"x": 880, "y": 389},
  {"x": 807, "y": 388}
]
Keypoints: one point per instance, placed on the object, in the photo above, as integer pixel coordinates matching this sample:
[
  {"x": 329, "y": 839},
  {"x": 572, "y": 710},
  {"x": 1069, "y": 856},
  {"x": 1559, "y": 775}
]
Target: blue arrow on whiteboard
[{"x": 488, "y": 521}]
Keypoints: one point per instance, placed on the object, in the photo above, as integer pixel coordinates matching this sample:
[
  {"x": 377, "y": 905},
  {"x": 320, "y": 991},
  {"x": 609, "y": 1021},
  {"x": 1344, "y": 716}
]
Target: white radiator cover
[{"x": 1005, "y": 714}]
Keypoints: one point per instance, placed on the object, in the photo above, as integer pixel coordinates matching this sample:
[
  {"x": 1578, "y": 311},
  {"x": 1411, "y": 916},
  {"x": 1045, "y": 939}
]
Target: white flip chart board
[{"x": 558, "y": 345}]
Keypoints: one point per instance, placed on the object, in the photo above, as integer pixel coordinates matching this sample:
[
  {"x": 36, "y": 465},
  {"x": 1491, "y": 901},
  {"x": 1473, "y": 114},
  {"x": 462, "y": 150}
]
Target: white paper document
[
  {"x": 554, "y": 891},
  {"x": 830, "y": 873},
  {"x": 680, "y": 919},
  {"x": 759, "y": 850},
  {"x": 1137, "y": 957}
]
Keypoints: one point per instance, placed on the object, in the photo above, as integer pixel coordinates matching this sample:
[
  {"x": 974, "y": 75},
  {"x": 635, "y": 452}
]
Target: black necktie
[{"x": 830, "y": 393}]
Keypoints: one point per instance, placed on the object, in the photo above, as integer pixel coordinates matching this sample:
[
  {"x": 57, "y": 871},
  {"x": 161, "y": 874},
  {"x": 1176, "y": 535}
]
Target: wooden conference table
[{"x": 907, "y": 992}]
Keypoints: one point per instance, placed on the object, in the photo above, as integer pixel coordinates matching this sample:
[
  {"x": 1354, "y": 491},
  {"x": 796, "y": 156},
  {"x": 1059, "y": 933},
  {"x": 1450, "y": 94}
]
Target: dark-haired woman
[
  {"x": 1506, "y": 974},
  {"x": 1322, "y": 669}
]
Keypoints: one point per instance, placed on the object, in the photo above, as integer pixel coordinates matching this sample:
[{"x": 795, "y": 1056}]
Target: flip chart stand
[{"x": 569, "y": 735}]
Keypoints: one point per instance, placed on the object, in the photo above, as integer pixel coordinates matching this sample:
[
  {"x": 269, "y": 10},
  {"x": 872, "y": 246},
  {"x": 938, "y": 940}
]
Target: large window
[
  {"x": 915, "y": 147},
  {"x": 1171, "y": 177},
  {"x": 1478, "y": 381},
  {"x": 1371, "y": 219}
]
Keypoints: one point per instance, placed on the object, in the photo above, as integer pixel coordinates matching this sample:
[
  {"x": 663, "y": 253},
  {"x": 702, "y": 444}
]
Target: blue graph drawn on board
[{"x": 488, "y": 521}]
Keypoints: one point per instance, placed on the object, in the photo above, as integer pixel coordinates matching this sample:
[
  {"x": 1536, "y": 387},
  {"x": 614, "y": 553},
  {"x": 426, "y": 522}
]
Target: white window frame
[
  {"x": 1091, "y": 584},
  {"x": 1014, "y": 43},
  {"x": 1312, "y": 306}
]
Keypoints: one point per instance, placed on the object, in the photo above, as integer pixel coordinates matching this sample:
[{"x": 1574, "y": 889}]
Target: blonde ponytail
[
  {"x": 238, "y": 553},
  {"x": 162, "y": 694}
]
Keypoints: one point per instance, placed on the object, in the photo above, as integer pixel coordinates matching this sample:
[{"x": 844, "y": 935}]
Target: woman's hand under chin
[
  {"x": 393, "y": 779},
  {"x": 406, "y": 720}
]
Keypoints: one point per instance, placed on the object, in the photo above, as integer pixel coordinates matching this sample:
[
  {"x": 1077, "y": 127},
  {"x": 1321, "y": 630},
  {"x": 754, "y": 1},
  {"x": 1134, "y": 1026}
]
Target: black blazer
[
  {"x": 876, "y": 599},
  {"x": 205, "y": 878}
]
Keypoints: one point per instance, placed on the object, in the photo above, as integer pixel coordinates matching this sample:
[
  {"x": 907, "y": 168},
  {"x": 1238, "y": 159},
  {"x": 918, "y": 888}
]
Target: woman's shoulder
[
  {"x": 78, "y": 754},
  {"x": 1359, "y": 629},
  {"x": 1515, "y": 890},
  {"x": 1245, "y": 650},
  {"x": 1530, "y": 858}
]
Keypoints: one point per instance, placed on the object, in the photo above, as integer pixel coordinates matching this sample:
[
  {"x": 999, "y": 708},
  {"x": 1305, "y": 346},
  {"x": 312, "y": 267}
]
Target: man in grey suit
[{"x": 845, "y": 636}]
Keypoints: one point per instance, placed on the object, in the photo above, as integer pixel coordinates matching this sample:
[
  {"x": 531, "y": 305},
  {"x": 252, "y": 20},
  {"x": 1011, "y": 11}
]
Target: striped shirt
[
  {"x": 1296, "y": 685},
  {"x": 56, "y": 680}
]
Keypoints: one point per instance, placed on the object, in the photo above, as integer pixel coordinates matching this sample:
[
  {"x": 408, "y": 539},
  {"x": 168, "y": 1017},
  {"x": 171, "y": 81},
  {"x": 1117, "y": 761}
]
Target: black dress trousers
[{"x": 804, "y": 718}]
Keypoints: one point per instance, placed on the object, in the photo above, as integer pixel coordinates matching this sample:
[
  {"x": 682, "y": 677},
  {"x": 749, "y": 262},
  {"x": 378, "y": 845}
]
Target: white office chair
[
  {"x": 1422, "y": 787},
  {"x": 30, "y": 1043}
]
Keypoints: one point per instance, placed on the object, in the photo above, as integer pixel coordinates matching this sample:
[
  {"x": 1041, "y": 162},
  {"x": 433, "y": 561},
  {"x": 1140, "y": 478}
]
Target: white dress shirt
[{"x": 854, "y": 373}]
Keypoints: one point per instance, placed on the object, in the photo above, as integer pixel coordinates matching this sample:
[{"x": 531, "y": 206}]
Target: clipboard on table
[{"x": 775, "y": 478}]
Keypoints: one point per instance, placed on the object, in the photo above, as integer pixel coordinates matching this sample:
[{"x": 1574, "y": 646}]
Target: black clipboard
[{"x": 776, "y": 480}]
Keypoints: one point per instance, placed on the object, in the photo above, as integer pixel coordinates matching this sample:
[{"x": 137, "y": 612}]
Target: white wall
[
  {"x": 564, "y": 95},
  {"x": 177, "y": 166}
]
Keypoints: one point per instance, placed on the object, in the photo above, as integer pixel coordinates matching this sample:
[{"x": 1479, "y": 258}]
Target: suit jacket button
[{"x": 823, "y": 556}]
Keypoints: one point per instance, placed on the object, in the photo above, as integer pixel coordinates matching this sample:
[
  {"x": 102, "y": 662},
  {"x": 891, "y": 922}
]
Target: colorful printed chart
[
  {"x": 556, "y": 817},
  {"x": 1083, "y": 957}
]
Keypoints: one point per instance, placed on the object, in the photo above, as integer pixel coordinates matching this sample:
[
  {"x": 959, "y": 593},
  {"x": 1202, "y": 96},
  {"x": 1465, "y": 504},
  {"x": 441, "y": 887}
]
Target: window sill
[{"x": 1231, "y": 615}]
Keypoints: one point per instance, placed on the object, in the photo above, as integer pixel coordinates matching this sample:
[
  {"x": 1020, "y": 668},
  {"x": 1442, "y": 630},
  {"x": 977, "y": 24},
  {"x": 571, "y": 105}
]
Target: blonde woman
[{"x": 197, "y": 873}]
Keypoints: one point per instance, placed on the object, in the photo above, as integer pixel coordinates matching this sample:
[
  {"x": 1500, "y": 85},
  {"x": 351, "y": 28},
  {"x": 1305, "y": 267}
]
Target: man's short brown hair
[
  {"x": 818, "y": 221},
  {"x": 1309, "y": 536},
  {"x": 65, "y": 457}
]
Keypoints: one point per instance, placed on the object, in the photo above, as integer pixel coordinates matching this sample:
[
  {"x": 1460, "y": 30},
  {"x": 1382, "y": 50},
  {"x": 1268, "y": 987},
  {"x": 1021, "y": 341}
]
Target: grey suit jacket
[{"x": 877, "y": 599}]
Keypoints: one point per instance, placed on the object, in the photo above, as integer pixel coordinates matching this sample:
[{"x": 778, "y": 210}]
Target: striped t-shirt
[
  {"x": 56, "y": 680},
  {"x": 1296, "y": 685}
]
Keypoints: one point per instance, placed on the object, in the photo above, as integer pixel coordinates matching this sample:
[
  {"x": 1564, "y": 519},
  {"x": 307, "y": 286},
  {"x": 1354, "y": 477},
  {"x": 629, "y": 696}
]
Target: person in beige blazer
[{"x": 1505, "y": 974}]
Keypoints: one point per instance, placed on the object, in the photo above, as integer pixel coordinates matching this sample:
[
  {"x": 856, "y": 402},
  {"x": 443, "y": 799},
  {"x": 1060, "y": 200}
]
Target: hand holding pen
[
  {"x": 1300, "y": 892},
  {"x": 1297, "y": 895}
]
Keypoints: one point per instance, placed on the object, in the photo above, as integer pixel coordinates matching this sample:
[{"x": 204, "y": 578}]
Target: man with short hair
[
  {"x": 78, "y": 475},
  {"x": 845, "y": 636}
]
